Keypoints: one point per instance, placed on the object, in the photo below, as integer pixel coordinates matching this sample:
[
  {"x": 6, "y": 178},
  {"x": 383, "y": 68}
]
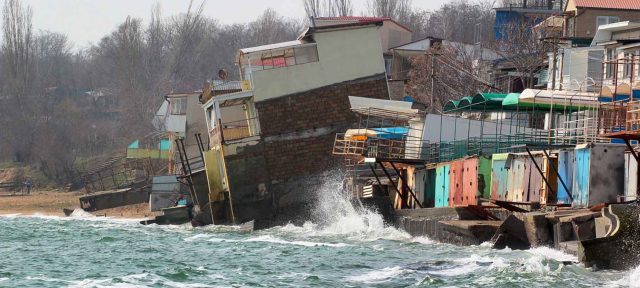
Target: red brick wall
[{"x": 320, "y": 113}]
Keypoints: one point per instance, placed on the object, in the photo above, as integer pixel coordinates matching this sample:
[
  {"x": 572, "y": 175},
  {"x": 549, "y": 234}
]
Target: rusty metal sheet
[
  {"x": 470, "y": 179},
  {"x": 499, "y": 176},
  {"x": 456, "y": 183}
]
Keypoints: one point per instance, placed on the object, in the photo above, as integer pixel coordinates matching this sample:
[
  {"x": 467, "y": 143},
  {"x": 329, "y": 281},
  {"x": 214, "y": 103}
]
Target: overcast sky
[{"x": 86, "y": 21}]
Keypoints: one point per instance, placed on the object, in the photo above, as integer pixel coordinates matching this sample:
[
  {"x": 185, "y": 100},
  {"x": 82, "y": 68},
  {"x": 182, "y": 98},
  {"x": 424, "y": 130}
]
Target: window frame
[{"x": 183, "y": 106}]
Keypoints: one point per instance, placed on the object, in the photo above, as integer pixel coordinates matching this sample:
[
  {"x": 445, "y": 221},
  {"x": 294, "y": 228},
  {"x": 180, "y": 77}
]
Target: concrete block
[
  {"x": 512, "y": 234},
  {"x": 562, "y": 232},
  {"x": 584, "y": 230},
  {"x": 602, "y": 226},
  {"x": 537, "y": 229}
]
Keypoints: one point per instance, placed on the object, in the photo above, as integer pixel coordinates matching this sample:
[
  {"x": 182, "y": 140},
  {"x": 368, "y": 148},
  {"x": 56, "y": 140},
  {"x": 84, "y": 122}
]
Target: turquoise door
[
  {"x": 430, "y": 188},
  {"x": 580, "y": 190},
  {"x": 442, "y": 186}
]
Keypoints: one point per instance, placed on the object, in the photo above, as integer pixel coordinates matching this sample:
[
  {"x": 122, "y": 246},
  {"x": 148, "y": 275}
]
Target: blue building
[{"x": 524, "y": 12}]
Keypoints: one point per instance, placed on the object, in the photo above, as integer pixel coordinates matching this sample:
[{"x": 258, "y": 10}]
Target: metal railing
[
  {"x": 389, "y": 149},
  {"x": 619, "y": 116}
]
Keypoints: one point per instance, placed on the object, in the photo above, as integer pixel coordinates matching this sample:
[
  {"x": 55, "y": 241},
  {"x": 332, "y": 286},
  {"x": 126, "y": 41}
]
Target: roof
[
  {"x": 354, "y": 18},
  {"x": 362, "y": 19},
  {"x": 327, "y": 28},
  {"x": 271, "y": 46},
  {"x": 609, "y": 4},
  {"x": 417, "y": 45}
]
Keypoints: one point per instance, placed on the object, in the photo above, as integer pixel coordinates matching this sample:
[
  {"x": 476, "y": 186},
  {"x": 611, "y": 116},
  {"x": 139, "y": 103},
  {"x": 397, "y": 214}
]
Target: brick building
[
  {"x": 270, "y": 144},
  {"x": 583, "y": 17}
]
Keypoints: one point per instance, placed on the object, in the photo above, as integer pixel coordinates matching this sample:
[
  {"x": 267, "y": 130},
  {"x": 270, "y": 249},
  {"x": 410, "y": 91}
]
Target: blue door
[
  {"x": 565, "y": 172},
  {"x": 580, "y": 190}
]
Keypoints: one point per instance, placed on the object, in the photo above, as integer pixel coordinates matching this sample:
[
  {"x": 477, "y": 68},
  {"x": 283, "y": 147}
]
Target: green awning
[
  {"x": 451, "y": 105},
  {"x": 512, "y": 99},
  {"x": 488, "y": 97},
  {"x": 465, "y": 101}
]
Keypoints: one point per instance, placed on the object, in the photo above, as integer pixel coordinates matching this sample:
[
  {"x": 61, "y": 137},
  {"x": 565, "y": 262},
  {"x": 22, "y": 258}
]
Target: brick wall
[
  {"x": 321, "y": 107},
  {"x": 298, "y": 130},
  {"x": 585, "y": 25}
]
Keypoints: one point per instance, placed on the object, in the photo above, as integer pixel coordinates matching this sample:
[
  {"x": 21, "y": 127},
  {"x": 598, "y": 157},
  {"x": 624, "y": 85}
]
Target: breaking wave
[{"x": 336, "y": 215}]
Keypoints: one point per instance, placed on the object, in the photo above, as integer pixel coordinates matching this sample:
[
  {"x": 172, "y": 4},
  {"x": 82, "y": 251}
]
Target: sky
[{"x": 86, "y": 21}]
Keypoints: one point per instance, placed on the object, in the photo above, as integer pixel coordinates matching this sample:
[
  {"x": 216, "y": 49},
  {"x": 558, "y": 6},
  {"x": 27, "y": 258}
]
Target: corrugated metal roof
[
  {"x": 272, "y": 46},
  {"x": 609, "y": 4},
  {"x": 361, "y": 19},
  {"x": 354, "y": 18}
]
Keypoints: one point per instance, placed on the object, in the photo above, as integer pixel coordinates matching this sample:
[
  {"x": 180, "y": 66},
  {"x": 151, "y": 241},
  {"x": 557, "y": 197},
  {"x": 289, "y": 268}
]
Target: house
[
  {"x": 523, "y": 12},
  {"x": 583, "y": 17},
  {"x": 270, "y": 144},
  {"x": 179, "y": 117},
  {"x": 621, "y": 69},
  {"x": 392, "y": 34}
]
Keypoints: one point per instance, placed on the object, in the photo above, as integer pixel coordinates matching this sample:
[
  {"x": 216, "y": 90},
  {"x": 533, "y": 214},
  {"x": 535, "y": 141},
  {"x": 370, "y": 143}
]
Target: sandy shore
[{"x": 52, "y": 203}]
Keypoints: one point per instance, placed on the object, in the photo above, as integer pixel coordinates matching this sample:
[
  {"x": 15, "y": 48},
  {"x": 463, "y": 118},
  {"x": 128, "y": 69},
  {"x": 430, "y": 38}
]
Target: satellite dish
[{"x": 222, "y": 74}]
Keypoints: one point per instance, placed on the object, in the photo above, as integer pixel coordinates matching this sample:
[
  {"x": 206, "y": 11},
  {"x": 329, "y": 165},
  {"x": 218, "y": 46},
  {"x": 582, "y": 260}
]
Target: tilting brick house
[{"x": 270, "y": 144}]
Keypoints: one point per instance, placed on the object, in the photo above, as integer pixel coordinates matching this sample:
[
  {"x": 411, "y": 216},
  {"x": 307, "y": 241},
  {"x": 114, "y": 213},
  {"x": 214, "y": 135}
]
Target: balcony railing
[
  {"x": 533, "y": 4},
  {"x": 620, "y": 117},
  {"x": 236, "y": 130}
]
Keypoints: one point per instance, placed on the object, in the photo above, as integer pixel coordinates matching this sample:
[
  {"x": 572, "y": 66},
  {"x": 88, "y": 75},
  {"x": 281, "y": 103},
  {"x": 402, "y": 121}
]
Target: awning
[
  {"x": 451, "y": 105},
  {"x": 546, "y": 99}
]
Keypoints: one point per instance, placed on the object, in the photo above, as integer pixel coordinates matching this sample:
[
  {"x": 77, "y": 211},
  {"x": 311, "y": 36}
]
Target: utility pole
[{"x": 433, "y": 79}]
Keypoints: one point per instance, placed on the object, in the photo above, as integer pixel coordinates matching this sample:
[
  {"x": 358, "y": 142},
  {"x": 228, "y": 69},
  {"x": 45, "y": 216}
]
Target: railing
[
  {"x": 534, "y": 4},
  {"x": 619, "y": 116},
  {"x": 237, "y": 130},
  {"x": 373, "y": 147},
  {"x": 578, "y": 131},
  {"x": 612, "y": 117}
]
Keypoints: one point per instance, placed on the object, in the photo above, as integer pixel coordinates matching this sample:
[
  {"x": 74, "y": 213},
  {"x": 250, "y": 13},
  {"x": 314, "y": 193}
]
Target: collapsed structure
[{"x": 269, "y": 144}]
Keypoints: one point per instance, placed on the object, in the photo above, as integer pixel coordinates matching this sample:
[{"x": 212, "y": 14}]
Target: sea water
[{"x": 344, "y": 246}]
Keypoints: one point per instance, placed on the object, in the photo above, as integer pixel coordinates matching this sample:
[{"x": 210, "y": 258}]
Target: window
[
  {"x": 626, "y": 71},
  {"x": 178, "y": 106},
  {"x": 603, "y": 20},
  {"x": 610, "y": 66},
  {"x": 635, "y": 64},
  {"x": 284, "y": 57}
]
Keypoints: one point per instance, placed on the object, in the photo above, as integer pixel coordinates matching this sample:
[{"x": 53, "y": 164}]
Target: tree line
[{"x": 60, "y": 104}]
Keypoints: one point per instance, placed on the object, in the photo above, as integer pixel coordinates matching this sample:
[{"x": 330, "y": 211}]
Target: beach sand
[{"x": 51, "y": 203}]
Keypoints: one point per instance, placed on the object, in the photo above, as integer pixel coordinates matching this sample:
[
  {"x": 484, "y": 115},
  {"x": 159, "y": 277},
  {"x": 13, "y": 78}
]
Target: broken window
[{"x": 284, "y": 57}]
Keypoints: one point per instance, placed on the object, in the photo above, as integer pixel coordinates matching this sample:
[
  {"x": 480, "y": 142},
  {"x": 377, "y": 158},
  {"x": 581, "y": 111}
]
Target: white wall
[
  {"x": 454, "y": 128},
  {"x": 343, "y": 55}
]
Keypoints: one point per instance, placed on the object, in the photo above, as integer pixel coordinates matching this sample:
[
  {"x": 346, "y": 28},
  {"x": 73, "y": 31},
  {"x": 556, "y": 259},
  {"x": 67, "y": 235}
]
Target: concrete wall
[
  {"x": 113, "y": 199},
  {"x": 391, "y": 34},
  {"x": 343, "y": 55}
]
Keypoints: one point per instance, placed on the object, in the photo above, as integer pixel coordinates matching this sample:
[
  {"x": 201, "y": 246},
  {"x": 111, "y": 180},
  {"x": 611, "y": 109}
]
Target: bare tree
[
  {"x": 399, "y": 10},
  {"x": 17, "y": 60},
  {"x": 463, "y": 21},
  {"x": 521, "y": 51},
  {"x": 342, "y": 7},
  {"x": 442, "y": 70},
  {"x": 328, "y": 8}
]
